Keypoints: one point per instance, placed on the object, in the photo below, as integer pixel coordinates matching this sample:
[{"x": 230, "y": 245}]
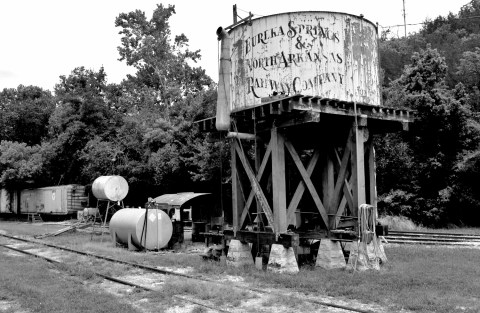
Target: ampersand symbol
[{"x": 299, "y": 44}]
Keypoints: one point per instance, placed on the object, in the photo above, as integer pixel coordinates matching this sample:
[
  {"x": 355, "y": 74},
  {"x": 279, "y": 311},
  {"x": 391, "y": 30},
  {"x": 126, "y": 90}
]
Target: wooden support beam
[
  {"x": 308, "y": 183},
  {"x": 264, "y": 238},
  {"x": 372, "y": 180},
  {"x": 279, "y": 191},
  {"x": 358, "y": 168},
  {"x": 258, "y": 164},
  {"x": 255, "y": 186},
  {"x": 347, "y": 198},
  {"x": 297, "y": 196},
  {"x": 237, "y": 199},
  {"x": 328, "y": 182},
  {"x": 259, "y": 176},
  {"x": 342, "y": 173}
]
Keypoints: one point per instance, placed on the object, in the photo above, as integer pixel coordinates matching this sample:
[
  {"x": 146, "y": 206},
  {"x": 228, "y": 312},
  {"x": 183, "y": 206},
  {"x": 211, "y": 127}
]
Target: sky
[{"x": 44, "y": 39}]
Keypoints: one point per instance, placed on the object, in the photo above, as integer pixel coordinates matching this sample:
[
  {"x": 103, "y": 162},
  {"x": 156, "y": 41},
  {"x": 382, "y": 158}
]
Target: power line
[
  {"x": 250, "y": 12},
  {"x": 457, "y": 18}
]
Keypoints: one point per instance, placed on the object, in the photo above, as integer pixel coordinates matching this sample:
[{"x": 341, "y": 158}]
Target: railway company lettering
[
  {"x": 281, "y": 59},
  {"x": 293, "y": 31},
  {"x": 260, "y": 86}
]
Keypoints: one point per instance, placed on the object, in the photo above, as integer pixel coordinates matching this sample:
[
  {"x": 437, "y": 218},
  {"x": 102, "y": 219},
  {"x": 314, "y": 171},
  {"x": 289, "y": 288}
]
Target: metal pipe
[
  {"x": 222, "y": 122},
  {"x": 243, "y": 136}
]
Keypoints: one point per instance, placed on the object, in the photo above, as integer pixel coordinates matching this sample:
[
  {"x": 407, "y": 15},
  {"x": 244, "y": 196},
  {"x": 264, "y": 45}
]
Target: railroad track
[
  {"x": 339, "y": 307},
  {"x": 432, "y": 238},
  {"x": 108, "y": 277}
]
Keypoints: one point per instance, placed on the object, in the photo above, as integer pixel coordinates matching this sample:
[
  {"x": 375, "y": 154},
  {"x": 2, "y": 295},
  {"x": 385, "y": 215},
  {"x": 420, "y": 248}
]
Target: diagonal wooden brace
[
  {"x": 256, "y": 187},
  {"x": 308, "y": 182},
  {"x": 261, "y": 170},
  {"x": 340, "y": 182},
  {"x": 297, "y": 196}
]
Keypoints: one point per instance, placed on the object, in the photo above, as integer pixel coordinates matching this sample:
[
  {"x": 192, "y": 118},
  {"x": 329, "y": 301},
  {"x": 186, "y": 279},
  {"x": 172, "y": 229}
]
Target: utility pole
[
  {"x": 404, "y": 19},
  {"x": 235, "y": 14}
]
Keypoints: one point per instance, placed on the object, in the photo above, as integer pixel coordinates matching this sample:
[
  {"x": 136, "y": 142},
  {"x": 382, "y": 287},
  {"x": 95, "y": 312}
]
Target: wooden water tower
[{"x": 299, "y": 100}]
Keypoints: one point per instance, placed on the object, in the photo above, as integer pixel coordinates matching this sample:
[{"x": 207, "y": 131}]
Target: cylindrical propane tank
[
  {"x": 129, "y": 225},
  {"x": 113, "y": 188}
]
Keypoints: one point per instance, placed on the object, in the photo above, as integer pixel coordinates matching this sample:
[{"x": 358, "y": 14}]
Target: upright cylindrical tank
[
  {"x": 113, "y": 188},
  {"x": 318, "y": 54},
  {"x": 128, "y": 226}
]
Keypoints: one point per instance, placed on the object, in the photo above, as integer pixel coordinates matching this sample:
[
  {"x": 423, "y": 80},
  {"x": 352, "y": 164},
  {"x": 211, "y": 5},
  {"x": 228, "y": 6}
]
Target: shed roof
[{"x": 177, "y": 199}]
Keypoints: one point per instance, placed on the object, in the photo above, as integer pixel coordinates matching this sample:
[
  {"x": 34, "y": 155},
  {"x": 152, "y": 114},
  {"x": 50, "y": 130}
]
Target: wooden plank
[
  {"x": 303, "y": 118},
  {"x": 297, "y": 196},
  {"x": 347, "y": 190},
  {"x": 264, "y": 238},
  {"x": 258, "y": 163},
  {"x": 308, "y": 182},
  {"x": 279, "y": 191},
  {"x": 341, "y": 174},
  {"x": 251, "y": 196},
  {"x": 346, "y": 200},
  {"x": 236, "y": 196},
  {"x": 255, "y": 186},
  {"x": 328, "y": 182},
  {"x": 372, "y": 179},
  {"x": 358, "y": 168}
]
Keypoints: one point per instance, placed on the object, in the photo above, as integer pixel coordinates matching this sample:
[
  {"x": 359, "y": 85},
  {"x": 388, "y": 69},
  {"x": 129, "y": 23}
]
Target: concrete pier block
[
  {"x": 373, "y": 256},
  {"x": 282, "y": 260},
  {"x": 382, "y": 255},
  {"x": 358, "y": 258},
  {"x": 363, "y": 257},
  {"x": 330, "y": 255},
  {"x": 239, "y": 254}
]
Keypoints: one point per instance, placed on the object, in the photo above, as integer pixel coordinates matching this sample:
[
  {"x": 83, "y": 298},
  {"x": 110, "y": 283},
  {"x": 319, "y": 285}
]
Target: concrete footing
[
  {"x": 282, "y": 260},
  {"x": 239, "y": 254},
  {"x": 330, "y": 255},
  {"x": 363, "y": 257},
  {"x": 381, "y": 254}
]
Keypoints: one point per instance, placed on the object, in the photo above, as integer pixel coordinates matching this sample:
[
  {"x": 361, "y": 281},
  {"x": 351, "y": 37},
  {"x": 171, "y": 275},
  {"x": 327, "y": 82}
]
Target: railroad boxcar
[
  {"x": 55, "y": 200},
  {"x": 8, "y": 201},
  {"x": 59, "y": 200}
]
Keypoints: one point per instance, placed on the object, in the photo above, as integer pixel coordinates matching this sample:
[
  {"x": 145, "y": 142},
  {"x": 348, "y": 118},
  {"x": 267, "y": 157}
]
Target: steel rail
[
  {"x": 113, "y": 279},
  {"x": 165, "y": 272},
  {"x": 434, "y": 234},
  {"x": 434, "y": 239}
]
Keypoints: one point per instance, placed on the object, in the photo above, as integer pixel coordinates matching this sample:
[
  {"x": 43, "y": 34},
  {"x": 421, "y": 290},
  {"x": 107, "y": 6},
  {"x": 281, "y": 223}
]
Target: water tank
[
  {"x": 113, "y": 188},
  {"x": 127, "y": 225},
  {"x": 319, "y": 54}
]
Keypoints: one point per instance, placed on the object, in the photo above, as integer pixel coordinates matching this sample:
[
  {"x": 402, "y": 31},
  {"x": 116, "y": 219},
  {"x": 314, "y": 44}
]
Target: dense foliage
[
  {"x": 429, "y": 173},
  {"x": 142, "y": 128}
]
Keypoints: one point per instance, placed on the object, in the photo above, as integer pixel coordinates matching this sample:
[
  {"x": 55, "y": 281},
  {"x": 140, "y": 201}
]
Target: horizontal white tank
[
  {"x": 126, "y": 227},
  {"x": 113, "y": 188}
]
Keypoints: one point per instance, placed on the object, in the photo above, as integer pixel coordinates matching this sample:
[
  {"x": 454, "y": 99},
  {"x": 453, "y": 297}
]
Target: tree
[
  {"x": 20, "y": 164},
  {"x": 82, "y": 113},
  {"x": 161, "y": 63},
  {"x": 24, "y": 114},
  {"x": 469, "y": 68},
  {"x": 166, "y": 95},
  {"x": 440, "y": 135}
]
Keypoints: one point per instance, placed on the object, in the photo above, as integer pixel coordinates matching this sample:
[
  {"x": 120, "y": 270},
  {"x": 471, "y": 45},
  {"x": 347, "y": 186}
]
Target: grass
[
  {"x": 36, "y": 286},
  {"x": 219, "y": 295},
  {"x": 401, "y": 223},
  {"x": 417, "y": 278}
]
